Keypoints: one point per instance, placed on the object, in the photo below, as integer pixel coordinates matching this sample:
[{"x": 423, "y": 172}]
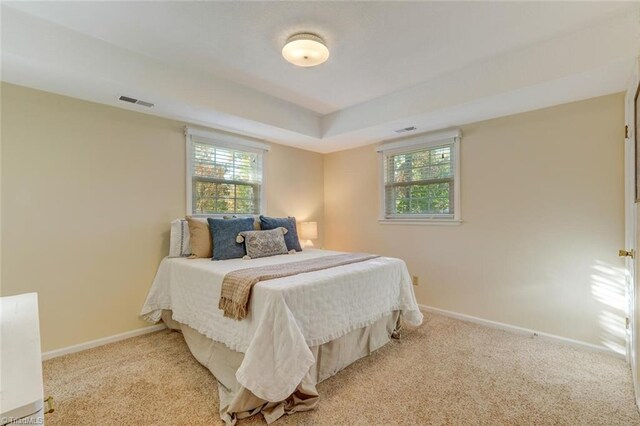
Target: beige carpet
[{"x": 443, "y": 372}]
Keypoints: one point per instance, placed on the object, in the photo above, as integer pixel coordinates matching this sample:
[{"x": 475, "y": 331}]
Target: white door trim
[{"x": 631, "y": 223}]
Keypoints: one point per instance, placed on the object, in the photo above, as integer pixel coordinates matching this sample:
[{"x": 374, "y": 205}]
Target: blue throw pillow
[
  {"x": 291, "y": 237},
  {"x": 224, "y": 233}
]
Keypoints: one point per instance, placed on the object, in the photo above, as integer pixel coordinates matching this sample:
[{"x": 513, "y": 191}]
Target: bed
[{"x": 299, "y": 329}]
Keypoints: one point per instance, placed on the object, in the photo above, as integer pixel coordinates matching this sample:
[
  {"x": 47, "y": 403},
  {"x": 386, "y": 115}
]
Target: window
[
  {"x": 421, "y": 179},
  {"x": 225, "y": 174}
]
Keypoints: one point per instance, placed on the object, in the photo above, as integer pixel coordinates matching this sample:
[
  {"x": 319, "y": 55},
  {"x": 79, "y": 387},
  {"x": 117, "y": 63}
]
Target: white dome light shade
[{"x": 305, "y": 50}]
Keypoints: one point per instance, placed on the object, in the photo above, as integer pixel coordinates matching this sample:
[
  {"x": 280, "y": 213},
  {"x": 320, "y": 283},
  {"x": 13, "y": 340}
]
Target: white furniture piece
[{"x": 21, "y": 389}]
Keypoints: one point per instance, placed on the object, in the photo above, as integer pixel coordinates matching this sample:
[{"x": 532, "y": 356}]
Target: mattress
[{"x": 287, "y": 316}]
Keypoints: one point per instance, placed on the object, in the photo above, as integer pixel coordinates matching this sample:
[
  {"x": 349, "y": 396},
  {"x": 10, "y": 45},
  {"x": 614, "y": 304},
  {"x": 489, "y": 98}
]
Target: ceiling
[{"x": 392, "y": 64}]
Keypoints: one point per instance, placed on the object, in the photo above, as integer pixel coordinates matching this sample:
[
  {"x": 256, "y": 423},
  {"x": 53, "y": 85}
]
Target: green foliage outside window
[
  {"x": 225, "y": 180},
  {"x": 420, "y": 182}
]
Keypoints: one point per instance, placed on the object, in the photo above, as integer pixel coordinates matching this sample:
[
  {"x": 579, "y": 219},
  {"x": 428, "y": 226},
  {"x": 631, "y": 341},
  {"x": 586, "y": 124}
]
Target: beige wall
[
  {"x": 88, "y": 192},
  {"x": 295, "y": 185},
  {"x": 542, "y": 205}
]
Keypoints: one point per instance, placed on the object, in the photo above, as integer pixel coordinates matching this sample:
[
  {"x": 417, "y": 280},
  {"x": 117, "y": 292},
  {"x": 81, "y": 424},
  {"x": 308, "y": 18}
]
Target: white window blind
[
  {"x": 224, "y": 179},
  {"x": 420, "y": 180}
]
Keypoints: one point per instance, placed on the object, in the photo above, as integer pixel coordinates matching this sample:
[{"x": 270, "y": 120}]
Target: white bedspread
[{"x": 287, "y": 315}]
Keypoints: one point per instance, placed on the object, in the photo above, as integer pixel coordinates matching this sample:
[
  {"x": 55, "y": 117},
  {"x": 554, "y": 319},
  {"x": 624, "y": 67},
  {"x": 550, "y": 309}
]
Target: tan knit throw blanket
[{"x": 237, "y": 285}]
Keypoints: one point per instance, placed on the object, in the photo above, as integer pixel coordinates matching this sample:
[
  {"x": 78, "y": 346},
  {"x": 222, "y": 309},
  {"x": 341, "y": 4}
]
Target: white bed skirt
[{"x": 237, "y": 402}]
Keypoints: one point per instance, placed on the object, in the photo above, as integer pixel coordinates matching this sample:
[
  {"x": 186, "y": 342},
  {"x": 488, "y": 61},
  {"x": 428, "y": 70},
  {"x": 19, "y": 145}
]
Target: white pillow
[{"x": 179, "y": 239}]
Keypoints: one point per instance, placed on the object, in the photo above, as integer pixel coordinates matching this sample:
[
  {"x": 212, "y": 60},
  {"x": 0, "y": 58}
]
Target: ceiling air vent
[
  {"x": 406, "y": 129},
  {"x": 136, "y": 101}
]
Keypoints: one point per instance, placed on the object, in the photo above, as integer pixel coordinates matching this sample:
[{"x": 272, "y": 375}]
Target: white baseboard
[
  {"x": 494, "y": 324},
  {"x": 520, "y": 330},
  {"x": 99, "y": 342}
]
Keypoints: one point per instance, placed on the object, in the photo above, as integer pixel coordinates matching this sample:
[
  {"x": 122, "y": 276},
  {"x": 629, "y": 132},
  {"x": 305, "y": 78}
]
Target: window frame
[
  {"x": 416, "y": 143},
  {"x": 222, "y": 139}
]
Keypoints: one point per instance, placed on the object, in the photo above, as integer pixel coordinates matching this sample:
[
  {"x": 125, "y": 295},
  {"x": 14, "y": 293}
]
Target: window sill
[{"x": 440, "y": 222}]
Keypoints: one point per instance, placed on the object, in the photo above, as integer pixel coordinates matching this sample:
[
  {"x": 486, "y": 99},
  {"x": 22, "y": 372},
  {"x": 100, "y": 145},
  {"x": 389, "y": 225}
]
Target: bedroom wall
[
  {"x": 88, "y": 192},
  {"x": 543, "y": 211}
]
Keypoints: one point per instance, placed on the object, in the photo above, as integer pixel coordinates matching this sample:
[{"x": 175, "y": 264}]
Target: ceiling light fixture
[{"x": 305, "y": 50}]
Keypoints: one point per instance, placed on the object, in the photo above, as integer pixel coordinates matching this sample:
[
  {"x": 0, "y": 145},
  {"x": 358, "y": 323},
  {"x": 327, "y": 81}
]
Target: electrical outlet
[{"x": 414, "y": 279}]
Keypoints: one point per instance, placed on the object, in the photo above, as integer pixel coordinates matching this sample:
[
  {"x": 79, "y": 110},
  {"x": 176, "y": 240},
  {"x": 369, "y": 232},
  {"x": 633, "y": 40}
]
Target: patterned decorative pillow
[
  {"x": 224, "y": 233},
  {"x": 264, "y": 243},
  {"x": 293, "y": 243},
  {"x": 179, "y": 239}
]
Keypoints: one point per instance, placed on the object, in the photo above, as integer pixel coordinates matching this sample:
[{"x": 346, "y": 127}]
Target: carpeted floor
[{"x": 443, "y": 372}]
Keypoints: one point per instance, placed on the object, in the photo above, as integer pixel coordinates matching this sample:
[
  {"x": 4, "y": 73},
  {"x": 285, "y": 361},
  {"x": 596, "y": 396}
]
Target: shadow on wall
[{"x": 608, "y": 286}]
